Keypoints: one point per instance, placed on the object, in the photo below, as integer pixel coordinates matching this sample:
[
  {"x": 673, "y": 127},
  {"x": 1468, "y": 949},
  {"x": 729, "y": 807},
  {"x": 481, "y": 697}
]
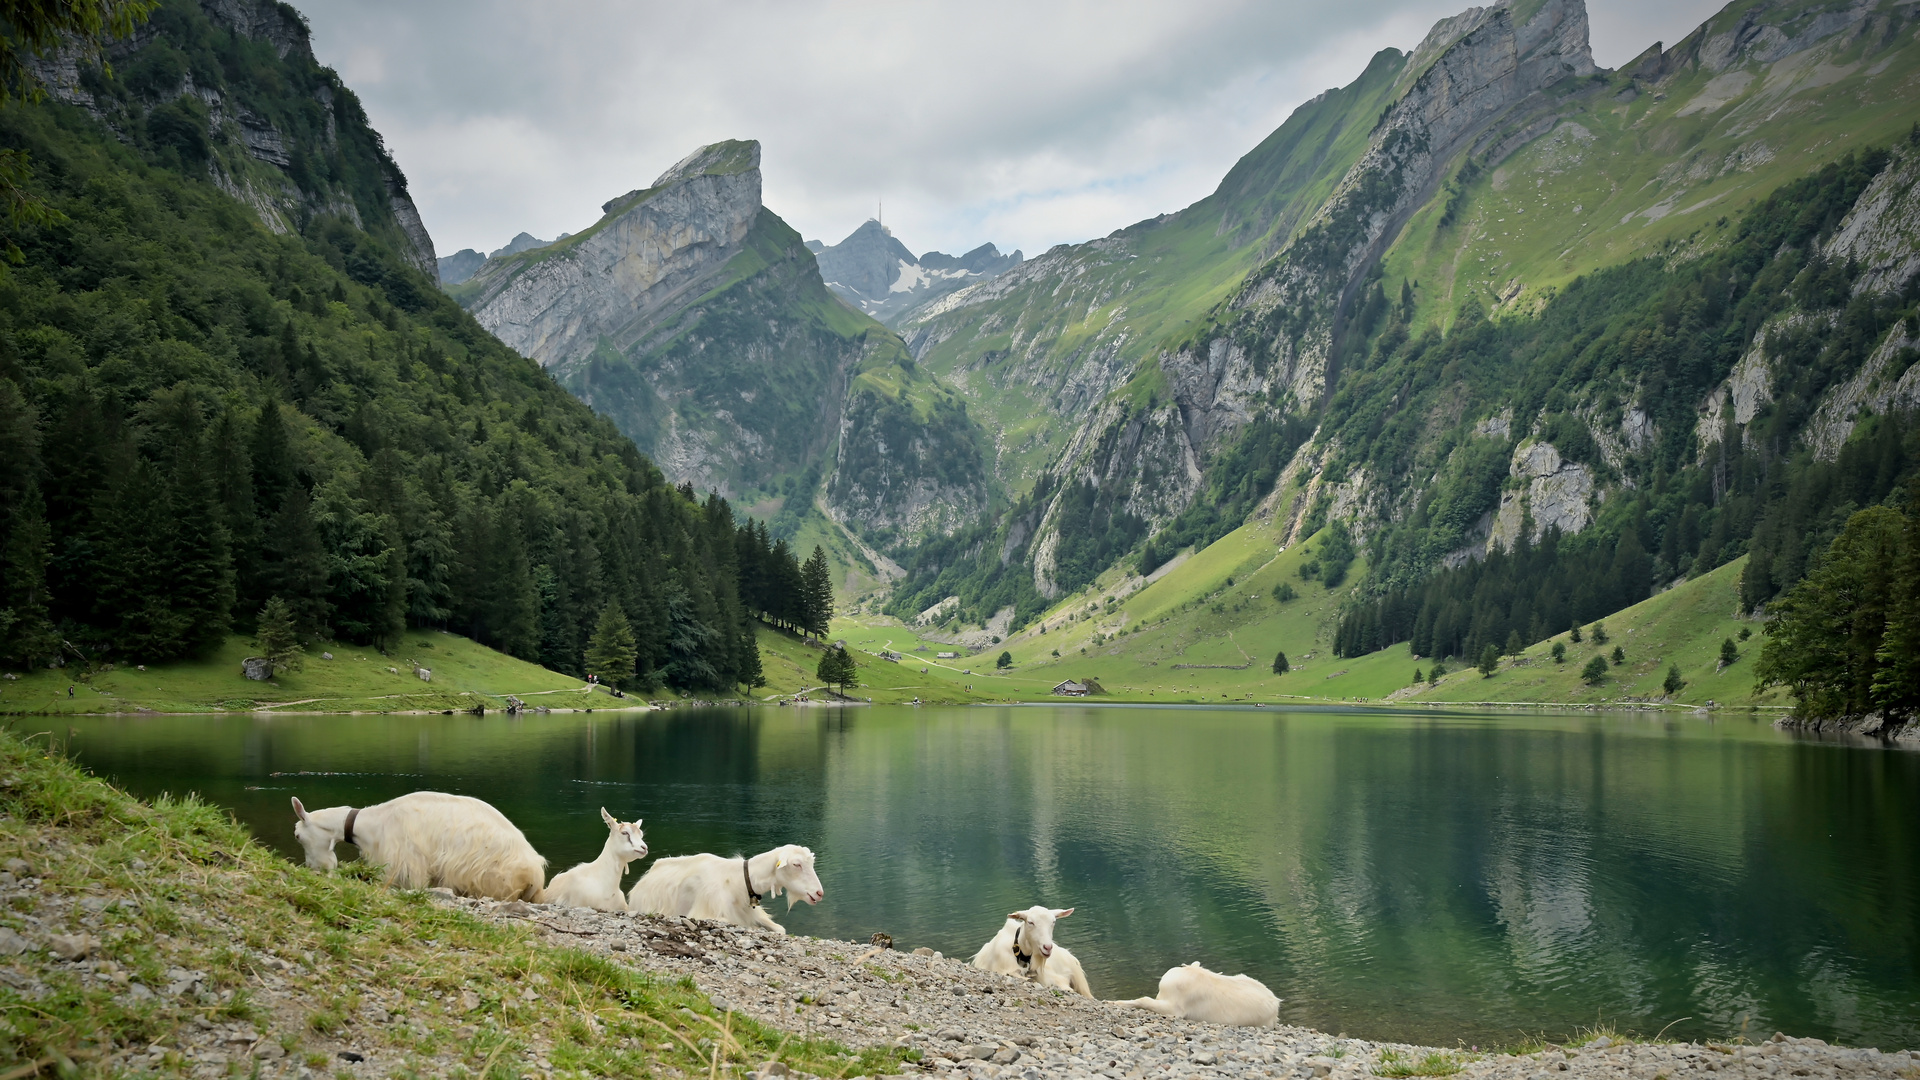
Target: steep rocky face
[
  {"x": 876, "y": 273},
  {"x": 1476, "y": 79},
  {"x": 653, "y": 247},
  {"x": 294, "y": 145},
  {"x": 697, "y": 320}
]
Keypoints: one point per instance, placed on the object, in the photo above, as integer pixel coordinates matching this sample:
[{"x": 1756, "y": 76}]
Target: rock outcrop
[{"x": 615, "y": 280}]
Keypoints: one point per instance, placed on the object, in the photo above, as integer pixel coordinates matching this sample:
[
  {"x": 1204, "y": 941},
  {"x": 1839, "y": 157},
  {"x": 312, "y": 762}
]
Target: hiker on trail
[{"x": 69, "y": 689}]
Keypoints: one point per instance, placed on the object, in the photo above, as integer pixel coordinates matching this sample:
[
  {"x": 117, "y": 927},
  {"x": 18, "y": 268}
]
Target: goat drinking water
[
  {"x": 596, "y": 884},
  {"x": 426, "y": 839}
]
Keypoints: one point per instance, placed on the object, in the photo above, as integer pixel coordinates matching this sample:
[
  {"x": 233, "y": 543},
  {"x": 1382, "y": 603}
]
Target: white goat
[
  {"x": 1194, "y": 993},
  {"x": 727, "y": 890},
  {"x": 1024, "y": 948},
  {"x": 596, "y": 884},
  {"x": 427, "y": 839}
]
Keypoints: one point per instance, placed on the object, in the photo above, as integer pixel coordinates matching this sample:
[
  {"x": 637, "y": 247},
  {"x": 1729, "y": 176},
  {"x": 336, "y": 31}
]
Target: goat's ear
[
  {"x": 608, "y": 818},
  {"x": 298, "y": 810},
  {"x": 1021, "y": 915},
  {"x": 1062, "y": 914}
]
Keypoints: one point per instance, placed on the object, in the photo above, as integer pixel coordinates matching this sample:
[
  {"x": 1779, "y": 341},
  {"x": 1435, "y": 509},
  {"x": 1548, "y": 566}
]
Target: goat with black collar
[{"x": 1024, "y": 948}]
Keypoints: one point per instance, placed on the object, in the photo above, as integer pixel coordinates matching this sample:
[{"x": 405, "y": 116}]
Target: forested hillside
[{"x": 226, "y": 376}]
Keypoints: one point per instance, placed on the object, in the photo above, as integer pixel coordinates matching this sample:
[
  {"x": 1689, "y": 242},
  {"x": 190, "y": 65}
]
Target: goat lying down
[
  {"x": 596, "y": 884},
  {"x": 1194, "y": 993},
  {"x": 1024, "y": 948},
  {"x": 727, "y": 890},
  {"x": 427, "y": 839}
]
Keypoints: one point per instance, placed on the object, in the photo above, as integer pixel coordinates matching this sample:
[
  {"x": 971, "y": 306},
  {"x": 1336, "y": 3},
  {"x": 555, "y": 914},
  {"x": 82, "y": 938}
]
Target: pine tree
[
  {"x": 610, "y": 652},
  {"x": 1489, "y": 660},
  {"x": 837, "y": 668},
  {"x": 29, "y": 635},
  {"x": 1673, "y": 681},
  {"x": 1596, "y": 670},
  {"x": 277, "y": 637},
  {"x": 1619, "y": 656},
  {"x": 1896, "y": 685},
  {"x": 816, "y": 594},
  {"x": 750, "y": 673},
  {"x": 1280, "y": 665}
]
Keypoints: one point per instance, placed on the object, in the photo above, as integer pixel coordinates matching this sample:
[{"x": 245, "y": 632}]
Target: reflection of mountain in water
[
  {"x": 1390, "y": 877},
  {"x": 877, "y": 274}
]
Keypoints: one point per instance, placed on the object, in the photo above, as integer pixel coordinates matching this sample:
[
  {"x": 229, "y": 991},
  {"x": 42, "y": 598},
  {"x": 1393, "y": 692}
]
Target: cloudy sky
[{"x": 1028, "y": 123}]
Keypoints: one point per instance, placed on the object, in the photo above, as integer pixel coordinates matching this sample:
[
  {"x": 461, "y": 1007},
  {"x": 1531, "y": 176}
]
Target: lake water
[{"x": 1419, "y": 876}]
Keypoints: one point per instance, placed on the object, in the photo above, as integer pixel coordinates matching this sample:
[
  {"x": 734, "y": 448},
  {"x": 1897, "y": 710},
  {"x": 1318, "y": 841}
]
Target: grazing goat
[
  {"x": 596, "y": 884},
  {"x": 427, "y": 839},
  {"x": 1194, "y": 993},
  {"x": 1024, "y": 948},
  {"x": 727, "y": 890}
]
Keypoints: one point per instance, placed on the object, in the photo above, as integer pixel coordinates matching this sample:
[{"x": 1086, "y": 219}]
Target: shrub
[
  {"x": 1596, "y": 670},
  {"x": 1559, "y": 652},
  {"x": 1284, "y": 592},
  {"x": 1005, "y": 660}
]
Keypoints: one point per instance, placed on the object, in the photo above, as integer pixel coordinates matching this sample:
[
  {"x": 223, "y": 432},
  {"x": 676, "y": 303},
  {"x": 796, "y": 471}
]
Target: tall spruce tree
[
  {"x": 610, "y": 652},
  {"x": 277, "y": 637},
  {"x": 816, "y": 594}
]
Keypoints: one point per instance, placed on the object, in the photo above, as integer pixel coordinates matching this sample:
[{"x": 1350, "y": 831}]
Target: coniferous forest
[{"x": 198, "y": 415}]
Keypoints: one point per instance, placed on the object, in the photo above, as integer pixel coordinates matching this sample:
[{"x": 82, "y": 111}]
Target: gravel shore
[{"x": 993, "y": 1027}]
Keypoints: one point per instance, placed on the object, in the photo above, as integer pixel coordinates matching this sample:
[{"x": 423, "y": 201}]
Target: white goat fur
[
  {"x": 596, "y": 884},
  {"x": 427, "y": 839},
  {"x": 1194, "y": 993},
  {"x": 710, "y": 887},
  {"x": 1050, "y": 964}
]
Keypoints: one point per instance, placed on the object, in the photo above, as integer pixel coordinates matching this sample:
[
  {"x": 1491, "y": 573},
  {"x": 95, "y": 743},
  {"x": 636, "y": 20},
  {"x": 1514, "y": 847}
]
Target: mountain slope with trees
[{"x": 210, "y": 400}]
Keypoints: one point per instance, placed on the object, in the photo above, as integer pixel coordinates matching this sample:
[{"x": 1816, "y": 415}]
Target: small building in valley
[{"x": 1070, "y": 688}]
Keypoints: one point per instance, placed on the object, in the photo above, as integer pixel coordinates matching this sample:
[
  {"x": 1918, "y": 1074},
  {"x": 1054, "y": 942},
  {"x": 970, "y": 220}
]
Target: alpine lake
[{"x": 1445, "y": 878}]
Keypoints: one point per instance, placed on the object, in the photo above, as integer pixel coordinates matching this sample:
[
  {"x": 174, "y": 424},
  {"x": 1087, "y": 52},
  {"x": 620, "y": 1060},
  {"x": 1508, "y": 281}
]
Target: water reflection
[{"x": 1414, "y": 876}]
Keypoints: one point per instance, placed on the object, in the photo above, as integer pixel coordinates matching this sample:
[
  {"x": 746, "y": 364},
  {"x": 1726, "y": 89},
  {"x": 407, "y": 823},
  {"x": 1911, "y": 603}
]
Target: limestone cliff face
[
  {"x": 614, "y": 280},
  {"x": 1479, "y": 83},
  {"x": 697, "y": 320}
]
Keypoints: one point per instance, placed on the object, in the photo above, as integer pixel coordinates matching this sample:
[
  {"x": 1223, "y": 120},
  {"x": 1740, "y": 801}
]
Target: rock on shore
[{"x": 991, "y": 1026}]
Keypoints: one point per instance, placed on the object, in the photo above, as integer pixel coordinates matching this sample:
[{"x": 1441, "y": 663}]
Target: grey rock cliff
[{"x": 555, "y": 303}]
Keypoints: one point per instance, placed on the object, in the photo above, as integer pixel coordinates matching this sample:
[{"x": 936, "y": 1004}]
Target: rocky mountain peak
[
  {"x": 725, "y": 158},
  {"x": 881, "y": 276},
  {"x": 555, "y": 302}
]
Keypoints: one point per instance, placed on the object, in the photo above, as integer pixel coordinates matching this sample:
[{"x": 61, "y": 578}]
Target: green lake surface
[{"x": 1441, "y": 878}]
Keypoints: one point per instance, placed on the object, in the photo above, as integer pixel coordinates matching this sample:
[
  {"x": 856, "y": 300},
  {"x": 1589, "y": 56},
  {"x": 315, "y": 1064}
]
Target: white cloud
[{"x": 1024, "y": 123}]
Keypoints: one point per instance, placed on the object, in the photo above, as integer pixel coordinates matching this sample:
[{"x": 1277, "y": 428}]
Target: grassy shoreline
[{"x": 188, "y": 944}]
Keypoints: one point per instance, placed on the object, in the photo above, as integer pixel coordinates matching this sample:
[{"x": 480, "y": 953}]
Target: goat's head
[
  {"x": 1034, "y": 933},
  {"x": 793, "y": 871},
  {"x": 629, "y": 843},
  {"x": 315, "y": 838}
]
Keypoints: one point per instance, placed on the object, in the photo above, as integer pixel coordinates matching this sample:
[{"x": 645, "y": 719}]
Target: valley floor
[{"x": 1206, "y": 632}]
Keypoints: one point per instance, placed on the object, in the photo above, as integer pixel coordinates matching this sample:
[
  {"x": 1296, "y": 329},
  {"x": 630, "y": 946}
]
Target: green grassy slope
[
  {"x": 1130, "y": 293},
  {"x": 357, "y": 679},
  {"x": 1644, "y": 164},
  {"x": 1215, "y": 613},
  {"x": 1683, "y": 626}
]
